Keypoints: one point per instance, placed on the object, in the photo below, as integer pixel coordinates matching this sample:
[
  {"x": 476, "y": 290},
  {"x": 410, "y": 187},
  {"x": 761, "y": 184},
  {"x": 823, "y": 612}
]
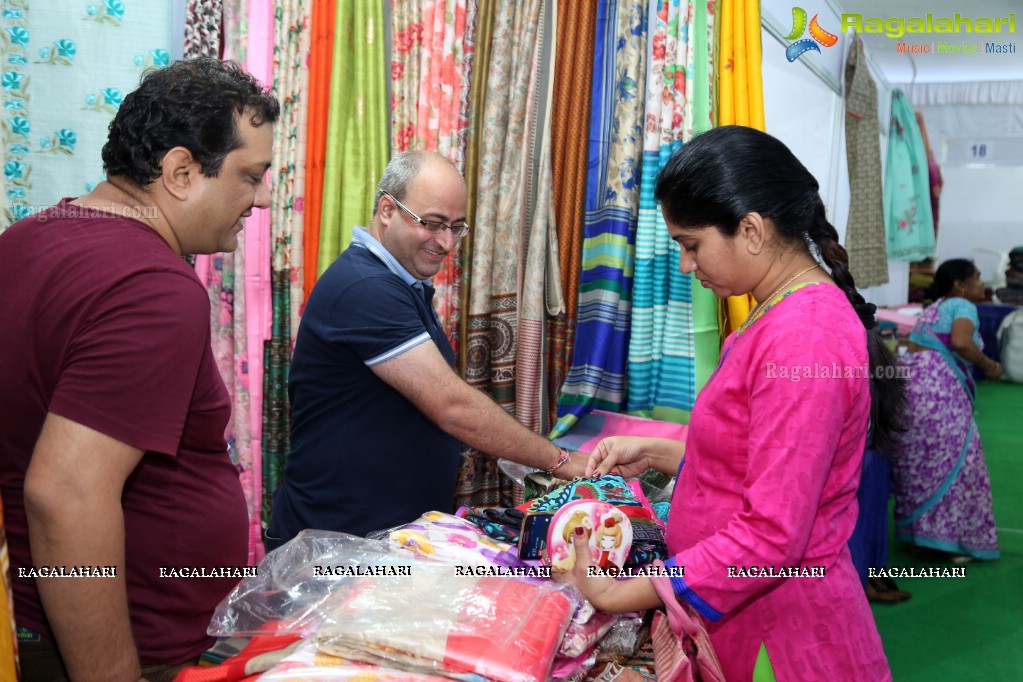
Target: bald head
[
  {"x": 418, "y": 190},
  {"x": 405, "y": 167}
]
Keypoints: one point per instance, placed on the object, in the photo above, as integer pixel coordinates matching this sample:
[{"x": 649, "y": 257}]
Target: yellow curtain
[
  {"x": 8, "y": 644},
  {"x": 740, "y": 90}
]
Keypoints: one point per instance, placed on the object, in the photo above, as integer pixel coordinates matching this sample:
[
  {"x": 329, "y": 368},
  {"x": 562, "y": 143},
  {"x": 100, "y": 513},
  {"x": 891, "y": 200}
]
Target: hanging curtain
[
  {"x": 674, "y": 328},
  {"x": 661, "y": 358},
  {"x": 321, "y": 55},
  {"x": 356, "y": 128},
  {"x": 481, "y": 38},
  {"x": 864, "y": 232},
  {"x": 291, "y": 52},
  {"x": 66, "y": 68},
  {"x": 202, "y": 28},
  {"x": 478, "y": 478},
  {"x": 933, "y": 171},
  {"x": 740, "y": 88},
  {"x": 573, "y": 80},
  {"x": 597, "y": 376},
  {"x": 538, "y": 244},
  {"x": 429, "y": 71},
  {"x": 504, "y": 202}
]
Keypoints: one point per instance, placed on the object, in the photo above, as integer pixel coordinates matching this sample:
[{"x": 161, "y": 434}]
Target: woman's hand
[
  {"x": 632, "y": 455},
  {"x": 574, "y": 466},
  {"x": 627, "y": 455},
  {"x": 604, "y": 592},
  {"x": 593, "y": 587},
  {"x": 993, "y": 371}
]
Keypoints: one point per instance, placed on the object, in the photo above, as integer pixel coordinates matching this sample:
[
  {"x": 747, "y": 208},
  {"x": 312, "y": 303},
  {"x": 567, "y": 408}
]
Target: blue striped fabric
[
  {"x": 662, "y": 355},
  {"x": 597, "y": 375},
  {"x": 661, "y": 351}
]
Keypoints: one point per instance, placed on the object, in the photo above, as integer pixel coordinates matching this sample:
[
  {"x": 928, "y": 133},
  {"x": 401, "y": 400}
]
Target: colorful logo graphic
[{"x": 817, "y": 35}]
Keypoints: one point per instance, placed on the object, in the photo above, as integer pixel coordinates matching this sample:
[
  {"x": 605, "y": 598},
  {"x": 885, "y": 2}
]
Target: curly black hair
[{"x": 192, "y": 104}]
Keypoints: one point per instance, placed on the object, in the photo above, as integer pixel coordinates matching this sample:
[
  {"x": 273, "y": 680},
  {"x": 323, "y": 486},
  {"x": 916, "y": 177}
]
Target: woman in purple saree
[{"x": 941, "y": 485}]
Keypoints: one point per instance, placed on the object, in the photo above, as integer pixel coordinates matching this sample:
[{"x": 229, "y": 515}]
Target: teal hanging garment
[{"x": 907, "y": 190}]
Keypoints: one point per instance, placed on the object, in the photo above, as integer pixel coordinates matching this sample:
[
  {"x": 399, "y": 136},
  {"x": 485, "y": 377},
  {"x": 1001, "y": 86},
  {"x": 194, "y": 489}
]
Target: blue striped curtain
[
  {"x": 661, "y": 353},
  {"x": 597, "y": 375}
]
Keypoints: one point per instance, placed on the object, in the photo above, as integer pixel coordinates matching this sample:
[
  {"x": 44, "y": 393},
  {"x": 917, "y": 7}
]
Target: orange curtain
[{"x": 320, "y": 59}]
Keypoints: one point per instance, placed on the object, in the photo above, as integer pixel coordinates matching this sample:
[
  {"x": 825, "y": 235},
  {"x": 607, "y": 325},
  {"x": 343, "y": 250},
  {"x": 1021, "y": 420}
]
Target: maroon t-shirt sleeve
[{"x": 131, "y": 370}]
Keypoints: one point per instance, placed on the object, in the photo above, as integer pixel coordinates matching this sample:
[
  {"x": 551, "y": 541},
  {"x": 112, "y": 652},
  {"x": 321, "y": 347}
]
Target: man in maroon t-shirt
[{"x": 113, "y": 462}]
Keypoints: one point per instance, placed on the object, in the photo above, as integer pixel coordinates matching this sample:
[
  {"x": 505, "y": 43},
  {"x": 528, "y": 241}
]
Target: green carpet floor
[{"x": 971, "y": 628}]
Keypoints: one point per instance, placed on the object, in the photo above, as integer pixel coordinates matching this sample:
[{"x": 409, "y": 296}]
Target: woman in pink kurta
[
  {"x": 769, "y": 480},
  {"x": 765, "y": 500}
]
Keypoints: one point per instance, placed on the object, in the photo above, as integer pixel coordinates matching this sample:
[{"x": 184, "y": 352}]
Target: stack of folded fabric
[
  {"x": 499, "y": 628},
  {"x": 308, "y": 664},
  {"x": 456, "y": 541},
  {"x": 370, "y": 602},
  {"x": 447, "y": 538}
]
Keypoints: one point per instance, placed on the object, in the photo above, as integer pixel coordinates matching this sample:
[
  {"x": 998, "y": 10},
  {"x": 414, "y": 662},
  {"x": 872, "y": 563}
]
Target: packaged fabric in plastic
[
  {"x": 295, "y": 586},
  {"x": 623, "y": 638},
  {"x": 308, "y": 664},
  {"x": 501, "y": 628},
  {"x": 443, "y": 537},
  {"x": 362, "y": 600}
]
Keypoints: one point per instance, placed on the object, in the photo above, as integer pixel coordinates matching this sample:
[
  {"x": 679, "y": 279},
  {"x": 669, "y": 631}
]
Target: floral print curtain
[
  {"x": 290, "y": 80},
  {"x": 673, "y": 347},
  {"x": 430, "y": 73},
  {"x": 64, "y": 72}
]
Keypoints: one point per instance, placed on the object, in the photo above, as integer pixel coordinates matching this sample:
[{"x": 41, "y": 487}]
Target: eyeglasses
[{"x": 459, "y": 230}]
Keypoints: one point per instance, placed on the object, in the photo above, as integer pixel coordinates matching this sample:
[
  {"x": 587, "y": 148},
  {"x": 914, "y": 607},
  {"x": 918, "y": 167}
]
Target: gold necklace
[{"x": 758, "y": 309}]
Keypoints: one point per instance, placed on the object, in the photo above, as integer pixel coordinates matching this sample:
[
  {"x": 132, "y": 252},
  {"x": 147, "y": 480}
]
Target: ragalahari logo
[{"x": 817, "y": 35}]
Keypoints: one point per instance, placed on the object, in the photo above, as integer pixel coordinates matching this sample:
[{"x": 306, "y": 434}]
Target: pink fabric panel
[
  {"x": 625, "y": 425},
  {"x": 258, "y": 295},
  {"x": 903, "y": 319},
  {"x": 770, "y": 478}
]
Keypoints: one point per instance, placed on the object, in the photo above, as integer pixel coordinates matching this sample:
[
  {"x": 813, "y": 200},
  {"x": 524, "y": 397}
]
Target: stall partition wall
[{"x": 978, "y": 128}]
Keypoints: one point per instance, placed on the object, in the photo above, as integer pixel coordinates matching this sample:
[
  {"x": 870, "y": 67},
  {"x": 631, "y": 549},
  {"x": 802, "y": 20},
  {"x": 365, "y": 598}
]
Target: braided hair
[{"x": 725, "y": 173}]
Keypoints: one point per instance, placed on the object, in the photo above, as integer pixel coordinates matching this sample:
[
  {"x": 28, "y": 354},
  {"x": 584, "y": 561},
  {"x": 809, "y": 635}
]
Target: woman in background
[{"x": 942, "y": 490}]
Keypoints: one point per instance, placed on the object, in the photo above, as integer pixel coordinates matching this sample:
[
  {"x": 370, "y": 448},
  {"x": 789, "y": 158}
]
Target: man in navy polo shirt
[{"x": 377, "y": 410}]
